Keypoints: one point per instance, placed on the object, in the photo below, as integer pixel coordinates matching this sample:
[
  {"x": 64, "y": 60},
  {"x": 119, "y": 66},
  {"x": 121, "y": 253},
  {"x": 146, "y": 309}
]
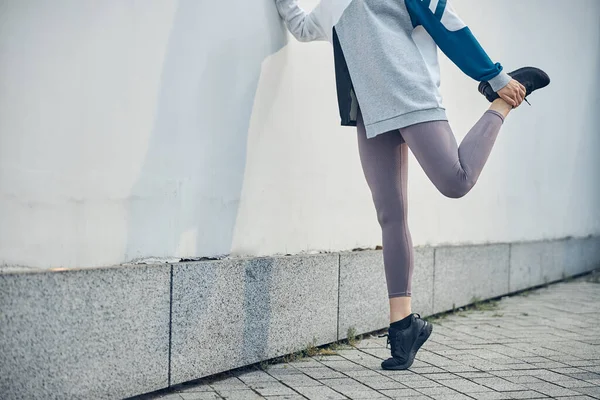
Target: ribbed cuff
[
  {"x": 399, "y": 294},
  {"x": 494, "y": 112},
  {"x": 498, "y": 82}
]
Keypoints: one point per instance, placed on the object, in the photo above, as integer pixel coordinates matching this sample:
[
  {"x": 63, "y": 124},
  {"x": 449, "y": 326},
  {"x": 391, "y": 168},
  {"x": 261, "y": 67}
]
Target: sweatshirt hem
[{"x": 404, "y": 120}]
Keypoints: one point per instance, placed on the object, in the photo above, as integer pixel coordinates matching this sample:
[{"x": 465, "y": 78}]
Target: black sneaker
[
  {"x": 406, "y": 342},
  {"x": 530, "y": 77}
]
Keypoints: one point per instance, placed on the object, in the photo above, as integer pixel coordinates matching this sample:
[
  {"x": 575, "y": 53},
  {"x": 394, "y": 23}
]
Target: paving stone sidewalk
[{"x": 539, "y": 344}]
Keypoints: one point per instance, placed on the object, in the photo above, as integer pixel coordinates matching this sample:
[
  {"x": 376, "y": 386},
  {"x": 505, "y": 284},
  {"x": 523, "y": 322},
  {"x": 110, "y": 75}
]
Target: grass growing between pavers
[
  {"x": 476, "y": 305},
  {"x": 594, "y": 277},
  {"x": 312, "y": 350}
]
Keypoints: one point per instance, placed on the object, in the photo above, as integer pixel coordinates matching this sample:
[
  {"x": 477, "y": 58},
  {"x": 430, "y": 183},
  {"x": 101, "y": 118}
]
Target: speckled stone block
[
  {"x": 584, "y": 255},
  {"x": 465, "y": 272},
  {"x": 363, "y": 293},
  {"x": 231, "y": 313},
  {"x": 422, "y": 286},
  {"x": 364, "y": 303},
  {"x": 86, "y": 334},
  {"x": 537, "y": 263}
]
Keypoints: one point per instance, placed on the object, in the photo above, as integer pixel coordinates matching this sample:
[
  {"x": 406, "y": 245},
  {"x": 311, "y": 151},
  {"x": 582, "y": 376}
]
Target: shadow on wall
[{"x": 185, "y": 201}]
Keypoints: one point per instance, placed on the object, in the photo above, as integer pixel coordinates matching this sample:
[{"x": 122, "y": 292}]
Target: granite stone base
[
  {"x": 116, "y": 332},
  {"x": 464, "y": 274},
  {"x": 538, "y": 263},
  {"x": 85, "y": 334},
  {"x": 227, "y": 314}
]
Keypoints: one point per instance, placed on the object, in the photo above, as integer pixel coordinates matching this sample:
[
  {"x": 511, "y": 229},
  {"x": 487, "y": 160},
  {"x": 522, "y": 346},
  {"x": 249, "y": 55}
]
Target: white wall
[{"x": 136, "y": 129}]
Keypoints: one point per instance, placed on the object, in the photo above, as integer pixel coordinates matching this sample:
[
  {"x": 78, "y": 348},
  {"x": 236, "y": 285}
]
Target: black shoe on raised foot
[
  {"x": 406, "y": 342},
  {"x": 530, "y": 77}
]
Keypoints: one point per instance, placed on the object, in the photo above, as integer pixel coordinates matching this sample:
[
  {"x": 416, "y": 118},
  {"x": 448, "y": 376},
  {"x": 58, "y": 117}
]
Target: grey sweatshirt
[{"x": 386, "y": 57}]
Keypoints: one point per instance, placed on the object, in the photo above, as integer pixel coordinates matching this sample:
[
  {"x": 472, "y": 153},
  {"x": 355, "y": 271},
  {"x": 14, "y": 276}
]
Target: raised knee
[
  {"x": 457, "y": 189},
  {"x": 453, "y": 192}
]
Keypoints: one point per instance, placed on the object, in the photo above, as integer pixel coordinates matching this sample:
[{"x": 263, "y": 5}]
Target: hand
[{"x": 514, "y": 93}]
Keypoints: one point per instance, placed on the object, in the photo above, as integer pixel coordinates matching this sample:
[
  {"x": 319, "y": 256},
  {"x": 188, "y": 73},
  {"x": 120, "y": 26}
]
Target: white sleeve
[{"x": 304, "y": 26}]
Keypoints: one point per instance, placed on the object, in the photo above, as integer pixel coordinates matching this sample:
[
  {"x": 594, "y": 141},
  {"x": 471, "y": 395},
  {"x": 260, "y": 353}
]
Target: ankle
[
  {"x": 402, "y": 323},
  {"x": 398, "y": 316},
  {"x": 400, "y": 307},
  {"x": 501, "y": 107}
]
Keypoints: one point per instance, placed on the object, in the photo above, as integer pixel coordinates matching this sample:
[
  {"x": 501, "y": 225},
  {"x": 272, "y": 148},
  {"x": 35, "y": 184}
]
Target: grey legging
[{"x": 452, "y": 169}]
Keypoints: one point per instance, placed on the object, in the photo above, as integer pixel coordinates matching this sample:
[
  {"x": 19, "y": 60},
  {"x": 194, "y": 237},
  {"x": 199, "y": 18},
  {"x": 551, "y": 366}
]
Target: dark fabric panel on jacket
[{"x": 343, "y": 83}]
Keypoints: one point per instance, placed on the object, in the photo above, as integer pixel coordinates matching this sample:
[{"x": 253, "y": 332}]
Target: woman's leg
[
  {"x": 454, "y": 170},
  {"x": 384, "y": 162}
]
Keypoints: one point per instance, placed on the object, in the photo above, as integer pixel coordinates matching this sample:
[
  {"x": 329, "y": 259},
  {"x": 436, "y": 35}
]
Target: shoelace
[
  {"x": 388, "y": 339},
  {"x": 388, "y": 336}
]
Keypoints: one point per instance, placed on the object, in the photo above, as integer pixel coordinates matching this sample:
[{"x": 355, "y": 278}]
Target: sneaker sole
[{"x": 423, "y": 336}]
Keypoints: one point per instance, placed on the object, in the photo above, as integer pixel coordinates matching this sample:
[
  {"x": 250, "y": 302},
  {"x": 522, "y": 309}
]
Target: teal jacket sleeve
[{"x": 456, "y": 40}]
